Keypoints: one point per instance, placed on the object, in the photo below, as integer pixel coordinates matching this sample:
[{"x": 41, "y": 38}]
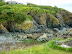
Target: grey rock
[{"x": 44, "y": 37}]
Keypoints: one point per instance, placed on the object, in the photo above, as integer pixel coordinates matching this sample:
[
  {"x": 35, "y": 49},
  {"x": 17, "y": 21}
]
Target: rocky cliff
[{"x": 32, "y": 18}]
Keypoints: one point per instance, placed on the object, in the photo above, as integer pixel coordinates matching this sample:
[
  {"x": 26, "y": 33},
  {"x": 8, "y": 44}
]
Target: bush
[
  {"x": 2, "y": 3},
  {"x": 17, "y": 16}
]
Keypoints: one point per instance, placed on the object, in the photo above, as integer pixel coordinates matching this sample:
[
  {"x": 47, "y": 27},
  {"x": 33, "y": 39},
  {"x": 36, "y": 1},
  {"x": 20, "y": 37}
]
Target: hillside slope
[{"x": 22, "y": 18}]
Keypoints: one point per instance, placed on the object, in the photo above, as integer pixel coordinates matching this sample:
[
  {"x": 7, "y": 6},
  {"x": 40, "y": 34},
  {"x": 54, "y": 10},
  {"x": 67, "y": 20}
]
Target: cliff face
[
  {"x": 66, "y": 17},
  {"x": 21, "y": 18}
]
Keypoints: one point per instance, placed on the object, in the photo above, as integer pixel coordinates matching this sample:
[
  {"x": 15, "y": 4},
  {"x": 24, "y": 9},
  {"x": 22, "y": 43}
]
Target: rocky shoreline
[{"x": 12, "y": 38}]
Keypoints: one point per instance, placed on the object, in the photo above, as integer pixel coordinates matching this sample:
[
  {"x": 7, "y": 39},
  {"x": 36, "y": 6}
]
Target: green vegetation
[
  {"x": 52, "y": 45},
  {"x": 2, "y": 3},
  {"x": 23, "y": 9},
  {"x": 46, "y": 48},
  {"x": 12, "y": 14},
  {"x": 18, "y": 13},
  {"x": 50, "y": 9}
]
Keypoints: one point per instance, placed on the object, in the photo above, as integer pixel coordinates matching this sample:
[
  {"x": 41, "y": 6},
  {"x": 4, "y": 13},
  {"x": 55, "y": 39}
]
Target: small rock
[{"x": 63, "y": 45}]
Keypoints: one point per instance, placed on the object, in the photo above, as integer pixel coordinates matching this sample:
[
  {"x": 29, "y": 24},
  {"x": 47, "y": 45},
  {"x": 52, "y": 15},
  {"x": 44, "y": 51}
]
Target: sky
[{"x": 65, "y": 4}]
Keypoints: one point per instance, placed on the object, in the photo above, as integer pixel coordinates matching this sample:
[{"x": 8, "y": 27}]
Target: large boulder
[{"x": 45, "y": 37}]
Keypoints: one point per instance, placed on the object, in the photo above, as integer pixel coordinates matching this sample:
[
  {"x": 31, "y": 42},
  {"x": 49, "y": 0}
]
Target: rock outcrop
[{"x": 36, "y": 22}]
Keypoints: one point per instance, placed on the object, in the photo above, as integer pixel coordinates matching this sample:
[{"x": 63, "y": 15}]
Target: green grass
[
  {"x": 46, "y": 48},
  {"x": 52, "y": 45}
]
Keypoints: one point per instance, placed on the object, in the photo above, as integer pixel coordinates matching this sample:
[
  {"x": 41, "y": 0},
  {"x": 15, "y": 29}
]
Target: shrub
[{"x": 2, "y": 3}]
